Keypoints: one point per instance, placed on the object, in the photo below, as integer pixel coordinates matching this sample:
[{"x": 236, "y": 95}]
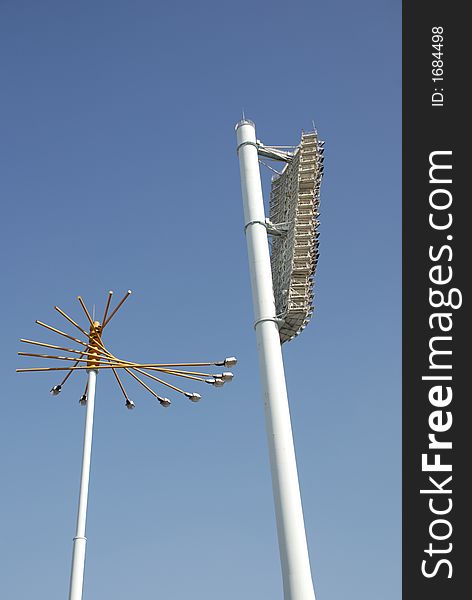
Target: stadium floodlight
[
  {"x": 295, "y": 199},
  {"x": 282, "y": 291},
  {"x": 91, "y": 357}
]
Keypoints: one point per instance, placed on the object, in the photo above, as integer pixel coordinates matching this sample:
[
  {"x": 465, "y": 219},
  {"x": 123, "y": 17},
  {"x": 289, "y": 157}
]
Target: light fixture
[{"x": 92, "y": 356}]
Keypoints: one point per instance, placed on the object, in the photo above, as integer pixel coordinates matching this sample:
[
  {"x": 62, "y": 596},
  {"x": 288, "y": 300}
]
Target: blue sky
[{"x": 120, "y": 171}]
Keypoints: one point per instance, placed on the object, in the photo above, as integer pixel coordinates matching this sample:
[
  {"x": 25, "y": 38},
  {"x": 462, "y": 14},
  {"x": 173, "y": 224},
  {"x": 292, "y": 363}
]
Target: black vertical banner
[{"x": 437, "y": 257}]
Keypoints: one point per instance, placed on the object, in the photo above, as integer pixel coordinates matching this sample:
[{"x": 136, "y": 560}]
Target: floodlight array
[{"x": 294, "y": 203}]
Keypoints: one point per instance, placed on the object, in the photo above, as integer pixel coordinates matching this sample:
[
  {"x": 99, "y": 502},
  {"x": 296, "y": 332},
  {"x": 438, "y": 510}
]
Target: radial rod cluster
[{"x": 92, "y": 354}]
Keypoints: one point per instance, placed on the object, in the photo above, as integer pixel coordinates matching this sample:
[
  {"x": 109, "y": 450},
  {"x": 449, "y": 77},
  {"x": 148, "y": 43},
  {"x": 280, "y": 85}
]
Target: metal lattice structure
[{"x": 294, "y": 211}]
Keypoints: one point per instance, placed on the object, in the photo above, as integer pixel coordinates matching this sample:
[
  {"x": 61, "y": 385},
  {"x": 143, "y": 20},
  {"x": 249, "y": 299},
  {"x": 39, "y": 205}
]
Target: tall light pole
[
  {"x": 293, "y": 548},
  {"x": 92, "y": 356}
]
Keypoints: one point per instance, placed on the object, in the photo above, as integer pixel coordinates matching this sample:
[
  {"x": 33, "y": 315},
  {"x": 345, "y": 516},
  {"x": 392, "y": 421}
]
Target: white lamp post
[{"x": 80, "y": 541}]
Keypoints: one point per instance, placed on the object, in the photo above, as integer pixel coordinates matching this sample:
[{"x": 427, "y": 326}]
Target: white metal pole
[
  {"x": 78, "y": 552},
  {"x": 293, "y": 548}
]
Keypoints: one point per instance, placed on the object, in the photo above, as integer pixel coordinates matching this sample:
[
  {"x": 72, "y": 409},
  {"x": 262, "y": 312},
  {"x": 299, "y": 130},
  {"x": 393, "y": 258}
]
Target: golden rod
[
  {"x": 154, "y": 365},
  {"x": 85, "y": 310},
  {"x": 91, "y": 355},
  {"x": 177, "y": 374},
  {"x": 117, "y": 377},
  {"x": 81, "y": 368},
  {"x": 72, "y": 358},
  {"x": 126, "y": 296},
  {"x": 38, "y": 369},
  {"x": 142, "y": 383},
  {"x": 70, "y": 320},
  {"x": 178, "y": 371},
  {"x": 149, "y": 366},
  {"x": 110, "y": 294},
  {"x": 205, "y": 364},
  {"x": 61, "y": 333},
  {"x": 120, "y": 384},
  {"x": 157, "y": 379},
  {"x": 81, "y": 352}
]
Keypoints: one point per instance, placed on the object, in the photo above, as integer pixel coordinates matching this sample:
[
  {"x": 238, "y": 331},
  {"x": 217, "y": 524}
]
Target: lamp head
[{"x": 230, "y": 362}]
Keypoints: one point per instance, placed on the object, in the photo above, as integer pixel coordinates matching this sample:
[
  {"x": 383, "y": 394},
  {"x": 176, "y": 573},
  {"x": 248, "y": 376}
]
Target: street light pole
[
  {"x": 80, "y": 541},
  {"x": 293, "y": 548},
  {"x": 94, "y": 353}
]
